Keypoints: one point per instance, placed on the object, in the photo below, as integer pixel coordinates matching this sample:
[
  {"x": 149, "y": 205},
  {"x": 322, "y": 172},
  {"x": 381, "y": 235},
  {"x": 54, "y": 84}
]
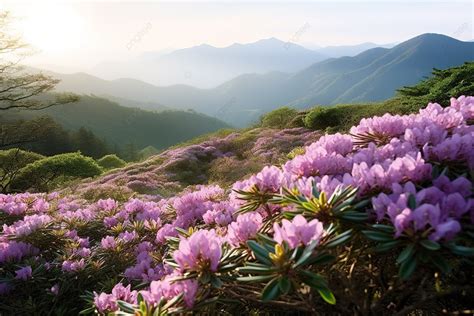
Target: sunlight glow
[{"x": 52, "y": 29}]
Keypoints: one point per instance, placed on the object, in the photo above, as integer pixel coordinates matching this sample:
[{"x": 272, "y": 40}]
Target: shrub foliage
[{"x": 44, "y": 174}]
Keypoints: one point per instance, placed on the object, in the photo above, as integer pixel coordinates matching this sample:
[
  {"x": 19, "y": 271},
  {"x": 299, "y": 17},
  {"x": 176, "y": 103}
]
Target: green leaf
[
  {"x": 308, "y": 251},
  {"x": 126, "y": 307},
  {"x": 385, "y": 246},
  {"x": 361, "y": 204},
  {"x": 406, "y": 253},
  {"x": 314, "y": 189},
  {"x": 256, "y": 278},
  {"x": 216, "y": 282},
  {"x": 386, "y": 228},
  {"x": 339, "y": 239},
  {"x": 284, "y": 284},
  {"x": 270, "y": 291},
  {"x": 327, "y": 295},
  {"x": 260, "y": 252},
  {"x": 430, "y": 245},
  {"x": 321, "y": 259},
  {"x": 312, "y": 279},
  {"x": 377, "y": 236},
  {"x": 412, "y": 201},
  {"x": 296, "y": 253},
  {"x": 462, "y": 251},
  {"x": 258, "y": 270},
  {"x": 407, "y": 268},
  {"x": 87, "y": 311},
  {"x": 173, "y": 301},
  {"x": 354, "y": 216}
]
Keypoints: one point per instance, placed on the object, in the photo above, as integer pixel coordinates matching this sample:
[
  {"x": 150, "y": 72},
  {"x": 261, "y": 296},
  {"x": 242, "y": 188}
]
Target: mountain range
[
  {"x": 206, "y": 66},
  {"x": 372, "y": 75}
]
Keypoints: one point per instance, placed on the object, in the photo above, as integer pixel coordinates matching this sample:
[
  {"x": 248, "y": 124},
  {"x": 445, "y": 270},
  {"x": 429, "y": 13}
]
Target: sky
[{"x": 73, "y": 35}]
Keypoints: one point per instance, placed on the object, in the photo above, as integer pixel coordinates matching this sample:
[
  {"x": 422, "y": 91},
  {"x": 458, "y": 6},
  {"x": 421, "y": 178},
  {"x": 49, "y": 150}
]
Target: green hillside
[{"x": 123, "y": 125}]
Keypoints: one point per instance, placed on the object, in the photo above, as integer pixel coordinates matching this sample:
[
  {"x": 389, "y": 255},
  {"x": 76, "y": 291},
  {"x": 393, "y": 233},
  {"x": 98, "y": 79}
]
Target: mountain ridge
[{"x": 372, "y": 75}]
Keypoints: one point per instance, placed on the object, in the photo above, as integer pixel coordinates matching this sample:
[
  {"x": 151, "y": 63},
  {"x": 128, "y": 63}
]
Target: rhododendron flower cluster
[
  {"x": 201, "y": 251},
  {"x": 298, "y": 231},
  {"x": 438, "y": 209},
  {"x": 108, "y": 302},
  {"x": 167, "y": 289},
  {"x": 244, "y": 228}
]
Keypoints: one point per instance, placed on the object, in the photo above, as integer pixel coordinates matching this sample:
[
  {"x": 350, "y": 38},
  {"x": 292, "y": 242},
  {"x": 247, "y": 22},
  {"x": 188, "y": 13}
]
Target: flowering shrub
[{"x": 379, "y": 221}]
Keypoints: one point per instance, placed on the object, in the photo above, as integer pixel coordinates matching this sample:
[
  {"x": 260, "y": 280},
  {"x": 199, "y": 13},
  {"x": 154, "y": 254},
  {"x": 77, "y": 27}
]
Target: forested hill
[{"x": 123, "y": 125}]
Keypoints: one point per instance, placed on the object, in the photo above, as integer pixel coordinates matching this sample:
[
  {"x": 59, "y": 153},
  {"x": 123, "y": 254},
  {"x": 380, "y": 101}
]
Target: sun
[{"x": 52, "y": 29}]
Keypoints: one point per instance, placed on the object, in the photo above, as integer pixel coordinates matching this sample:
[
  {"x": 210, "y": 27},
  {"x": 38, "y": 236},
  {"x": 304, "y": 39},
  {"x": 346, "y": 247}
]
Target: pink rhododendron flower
[
  {"x": 298, "y": 232},
  {"x": 23, "y": 273},
  {"x": 202, "y": 250},
  {"x": 244, "y": 228},
  {"x": 167, "y": 289}
]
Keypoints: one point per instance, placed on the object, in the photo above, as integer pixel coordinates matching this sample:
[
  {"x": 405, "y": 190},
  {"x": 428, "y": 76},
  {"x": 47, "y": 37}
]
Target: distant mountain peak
[{"x": 432, "y": 37}]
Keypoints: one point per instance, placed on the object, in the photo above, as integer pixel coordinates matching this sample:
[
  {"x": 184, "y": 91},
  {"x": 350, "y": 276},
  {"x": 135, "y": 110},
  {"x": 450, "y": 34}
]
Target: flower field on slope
[
  {"x": 166, "y": 173},
  {"x": 378, "y": 221}
]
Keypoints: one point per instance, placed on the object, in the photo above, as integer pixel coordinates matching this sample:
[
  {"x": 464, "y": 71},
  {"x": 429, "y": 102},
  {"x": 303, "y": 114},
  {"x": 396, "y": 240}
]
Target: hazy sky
[{"x": 76, "y": 35}]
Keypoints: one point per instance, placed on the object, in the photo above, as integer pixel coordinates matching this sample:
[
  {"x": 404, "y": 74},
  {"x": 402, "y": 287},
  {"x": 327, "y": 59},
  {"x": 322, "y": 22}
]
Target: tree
[
  {"x": 131, "y": 152},
  {"x": 279, "y": 118},
  {"x": 18, "y": 88},
  {"x": 89, "y": 144},
  {"x": 46, "y": 174},
  {"x": 111, "y": 162},
  {"x": 321, "y": 118},
  {"x": 11, "y": 162},
  {"x": 42, "y": 135}
]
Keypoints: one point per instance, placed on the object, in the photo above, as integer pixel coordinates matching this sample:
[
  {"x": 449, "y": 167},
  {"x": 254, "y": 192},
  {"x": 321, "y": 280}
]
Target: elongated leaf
[
  {"x": 173, "y": 301},
  {"x": 462, "y": 251},
  {"x": 314, "y": 189},
  {"x": 126, "y": 307},
  {"x": 87, "y": 311},
  {"x": 377, "y": 235},
  {"x": 321, "y": 259},
  {"x": 256, "y": 270},
  {"x": 406, "y": 253},
  {"x": 327, "y": 295},
  {"x": 354, "y": 216},
  {"x": 339, "y": 239},
  {"x": 216, "y": 282},
  {"x": 430, "y": 245},
  {"x": 361, "y": 204},
  {"x": 284, "y": 284},
  {"x": 407, "y": 268},
  {"x": 386, "y": 228},
  {"x": 271, "y": 291},
  {"x": 296, "y": 253},
  {"x": 385, "y": 246},
  {"x": 256, "y": 278},
  {"x": 312, "y": 279},
  {"x": 260, "y": 252},
  {"x": 307, "y": 252},
  {"x": 412, "y": 201}
]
